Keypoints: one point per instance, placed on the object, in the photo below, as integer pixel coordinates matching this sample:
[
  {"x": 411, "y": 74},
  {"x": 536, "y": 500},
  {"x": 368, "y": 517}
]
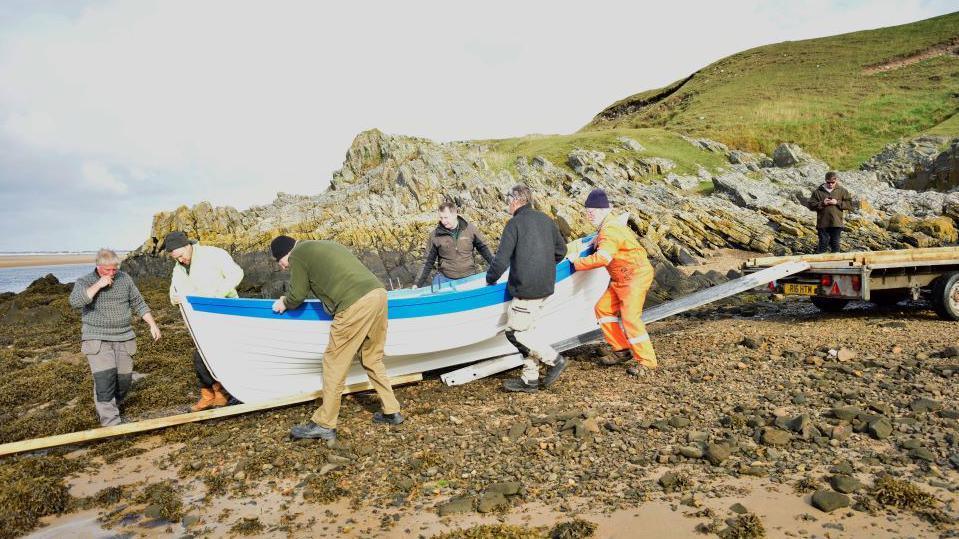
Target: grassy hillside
[
  {"x": 556, "y": 148},
  {"x": 841, "y": 97}
]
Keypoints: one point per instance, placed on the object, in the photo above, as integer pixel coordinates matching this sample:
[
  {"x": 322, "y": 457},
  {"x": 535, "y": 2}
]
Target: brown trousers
[{"x": 360, "y": 328}]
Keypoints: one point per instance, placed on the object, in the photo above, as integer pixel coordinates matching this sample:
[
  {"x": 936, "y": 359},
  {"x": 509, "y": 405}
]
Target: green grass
[
  {"x": 815, "y": 93},
  {"x": 556, "y": 148},
  {"x": 948, "y": 128}
]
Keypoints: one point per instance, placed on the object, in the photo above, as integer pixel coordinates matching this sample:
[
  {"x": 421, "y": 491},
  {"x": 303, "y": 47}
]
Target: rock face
[
  {"x": 918, "y": 164},
  {"x": 381, "y": 204}
]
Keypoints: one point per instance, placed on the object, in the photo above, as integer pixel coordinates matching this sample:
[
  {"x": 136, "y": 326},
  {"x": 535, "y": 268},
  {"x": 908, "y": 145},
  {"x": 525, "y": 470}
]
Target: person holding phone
[{"x": 829, "y": 201}]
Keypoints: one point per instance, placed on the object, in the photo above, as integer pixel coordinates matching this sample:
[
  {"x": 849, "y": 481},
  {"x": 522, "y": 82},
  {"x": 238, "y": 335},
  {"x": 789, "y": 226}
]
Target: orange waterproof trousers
[{"x": 619, "y": 312}]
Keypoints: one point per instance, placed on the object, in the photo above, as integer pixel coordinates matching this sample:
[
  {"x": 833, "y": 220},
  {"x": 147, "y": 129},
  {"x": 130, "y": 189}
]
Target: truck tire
[
  {"x": 945, "y": 296},
  {"x": 888, "y": 298},
  {"x": 829, "y": 305}
]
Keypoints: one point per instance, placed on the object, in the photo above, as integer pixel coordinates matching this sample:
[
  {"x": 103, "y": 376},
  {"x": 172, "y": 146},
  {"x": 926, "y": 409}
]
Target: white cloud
[
  {"x": 232, "y": 101},
  {"x": 99, "y": 178}
]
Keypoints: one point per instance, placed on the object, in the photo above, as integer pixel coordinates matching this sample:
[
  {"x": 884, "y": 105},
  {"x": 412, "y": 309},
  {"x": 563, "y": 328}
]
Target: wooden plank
[
  {"x": 861, "y": 257},
  {"x": 192, "y": 417}
]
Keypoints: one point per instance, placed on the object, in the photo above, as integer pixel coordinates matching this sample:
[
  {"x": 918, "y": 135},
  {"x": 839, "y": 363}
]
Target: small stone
[
  {"x": 517, "y": 431},
  {"x": 880, "y": 428},
  {"x": 678, "y": 422},
  {"x": 911, "y": 443},
  {"x": 506, "y": 488},
  {"x": 591, "y": 425},
  {"x": 925, "y": 405},
  {"x": 845, "y": 484},
  {"x": 717, "y": 453},
  {"x": 774, "y": 436},
  {"x": 922, "y": 453},
  {"x": 189, "y": 520},
  {"x": 694, "y": 436},
  {"x": 462, "y": 504},
  {"x": 239, "y": 476},
  {"x": 668, "y": 481},
  {"x": 846, "y": 413},
  {"x": 153, "y": 511},
  {"x": 829, "y": 500},
  {"x": 738, "y": 508},
  {"x": 845, "y": 354},
  {"x": 491, "y": 501},
  {"x": 691, "y": 452},
  {"x": 750, "y": 343}
]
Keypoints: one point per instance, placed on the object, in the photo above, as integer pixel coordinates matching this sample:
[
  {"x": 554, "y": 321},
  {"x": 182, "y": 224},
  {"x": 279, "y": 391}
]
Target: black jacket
[{"x": 530, "y": 247}]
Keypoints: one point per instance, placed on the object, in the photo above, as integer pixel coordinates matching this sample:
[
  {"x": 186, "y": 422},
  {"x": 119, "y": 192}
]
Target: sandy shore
[{"x": 21, "y": 261}]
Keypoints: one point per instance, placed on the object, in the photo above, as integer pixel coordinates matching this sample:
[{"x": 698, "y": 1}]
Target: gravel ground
[{"x": 853, "y": 414}]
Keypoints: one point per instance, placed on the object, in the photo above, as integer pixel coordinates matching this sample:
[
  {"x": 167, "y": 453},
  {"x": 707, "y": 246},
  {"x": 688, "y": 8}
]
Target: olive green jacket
[{"x": 829, "y": 216}]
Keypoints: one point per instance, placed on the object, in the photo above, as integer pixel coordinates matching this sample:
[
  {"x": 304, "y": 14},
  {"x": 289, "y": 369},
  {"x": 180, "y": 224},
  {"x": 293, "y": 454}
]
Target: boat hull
[{"x": 259, "y": 355}]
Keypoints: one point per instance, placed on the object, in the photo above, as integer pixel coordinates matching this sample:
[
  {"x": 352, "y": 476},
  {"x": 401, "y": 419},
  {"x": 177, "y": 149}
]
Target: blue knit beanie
[{"x": 597, "y": 199}]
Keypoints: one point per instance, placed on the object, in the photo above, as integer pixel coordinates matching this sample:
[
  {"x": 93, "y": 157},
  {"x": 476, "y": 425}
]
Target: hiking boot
[
  {"x": 514, "y": 385},
  {"x": 219, "y": 395},
  {"x": 207, "y": 398},
  {"x": 389, "y": 419},
  {"x": 312, "y": 431},
  {"x": 615, "y": 357},
  {"x": 553, "y": 371}
]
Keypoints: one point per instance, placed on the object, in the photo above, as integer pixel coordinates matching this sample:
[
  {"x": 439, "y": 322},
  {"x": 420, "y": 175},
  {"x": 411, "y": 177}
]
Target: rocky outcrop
[
  {"x": 911, "y": 164},
  {"x": 382, "y": 204}
]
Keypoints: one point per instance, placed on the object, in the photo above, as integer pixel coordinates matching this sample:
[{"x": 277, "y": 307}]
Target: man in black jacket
[{"x": 530, "y": 247}]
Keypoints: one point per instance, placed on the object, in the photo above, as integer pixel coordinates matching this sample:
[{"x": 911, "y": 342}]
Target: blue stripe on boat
[{"x": 430, "y": 305}]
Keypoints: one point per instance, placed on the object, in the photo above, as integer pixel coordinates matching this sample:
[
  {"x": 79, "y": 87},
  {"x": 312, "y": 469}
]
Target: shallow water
[{"x": 17, "y": 279}]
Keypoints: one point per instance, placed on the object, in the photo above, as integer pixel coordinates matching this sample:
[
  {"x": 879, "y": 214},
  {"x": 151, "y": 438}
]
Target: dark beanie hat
[
  {"x": 597, "y": 199},
  {"x": 281, "y": 246}
]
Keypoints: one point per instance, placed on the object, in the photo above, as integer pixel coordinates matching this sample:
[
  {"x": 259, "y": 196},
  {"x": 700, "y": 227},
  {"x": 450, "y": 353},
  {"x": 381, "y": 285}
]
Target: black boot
[
  {"x": 553, "y": 371},
  {"x": 312, "y": 430},
  {"x": 514, "y": 385},
  {"x": 391, "y": 419},
  {"x": 615, "y": 357}
]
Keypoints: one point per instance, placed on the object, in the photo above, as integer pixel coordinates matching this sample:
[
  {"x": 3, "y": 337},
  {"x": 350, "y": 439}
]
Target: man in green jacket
[
  {"x": 829, "y": 201},
  {"x": 357, "y": 301}
]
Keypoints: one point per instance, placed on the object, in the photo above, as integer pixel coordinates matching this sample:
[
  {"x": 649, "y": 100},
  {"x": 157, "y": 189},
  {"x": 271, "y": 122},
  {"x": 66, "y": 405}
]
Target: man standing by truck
[{"x": 829, "y": 201}]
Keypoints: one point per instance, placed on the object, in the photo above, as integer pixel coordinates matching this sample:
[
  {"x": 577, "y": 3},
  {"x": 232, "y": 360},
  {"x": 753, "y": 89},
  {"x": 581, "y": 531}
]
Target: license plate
[{"x": 800, "y": 289}]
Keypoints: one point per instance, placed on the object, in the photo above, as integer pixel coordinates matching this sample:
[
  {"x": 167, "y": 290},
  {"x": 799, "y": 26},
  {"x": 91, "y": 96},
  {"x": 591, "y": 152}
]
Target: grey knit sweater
[{"x": 106, "y": 316}]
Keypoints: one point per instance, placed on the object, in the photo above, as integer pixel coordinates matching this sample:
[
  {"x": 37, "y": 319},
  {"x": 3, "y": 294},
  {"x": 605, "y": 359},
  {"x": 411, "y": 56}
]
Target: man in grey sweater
[{"x": 107, "y": 298}]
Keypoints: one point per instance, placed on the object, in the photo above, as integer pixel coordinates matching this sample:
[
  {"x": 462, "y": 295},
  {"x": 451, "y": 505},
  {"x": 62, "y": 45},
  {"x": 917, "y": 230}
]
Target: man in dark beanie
[
  {"x": 202, "y": 270},
  {"x": 620, "y": 309},
  {"x": 829, "y": 201},
  {"x": 357, "y": 301}
]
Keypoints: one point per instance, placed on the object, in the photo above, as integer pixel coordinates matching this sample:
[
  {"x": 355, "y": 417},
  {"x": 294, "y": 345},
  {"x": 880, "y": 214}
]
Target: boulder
[
  {"x": 828, "y": 501},
  {"x": 788, "y": 155}
]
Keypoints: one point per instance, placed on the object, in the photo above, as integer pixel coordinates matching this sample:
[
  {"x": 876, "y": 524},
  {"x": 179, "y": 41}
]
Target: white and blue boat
[{"x": 259, "y": 355}]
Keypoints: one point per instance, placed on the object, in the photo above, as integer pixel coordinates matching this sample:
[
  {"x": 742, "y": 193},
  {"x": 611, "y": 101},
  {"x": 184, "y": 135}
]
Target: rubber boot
[
  {"x": 207, "y": 398},
  {"x": 219, "y": 396}
]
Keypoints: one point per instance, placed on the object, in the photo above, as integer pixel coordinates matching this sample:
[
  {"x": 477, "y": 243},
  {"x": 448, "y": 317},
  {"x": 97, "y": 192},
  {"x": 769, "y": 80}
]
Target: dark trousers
[
  {"x": 202, "y": 373},
  {"x": 829, "y": 239}
]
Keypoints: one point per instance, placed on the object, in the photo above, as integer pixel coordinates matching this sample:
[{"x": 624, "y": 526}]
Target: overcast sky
[{"x": 111, "y": 111}]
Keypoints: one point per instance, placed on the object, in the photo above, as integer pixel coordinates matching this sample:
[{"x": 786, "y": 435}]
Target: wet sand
[{"x": 22, "y": 261}]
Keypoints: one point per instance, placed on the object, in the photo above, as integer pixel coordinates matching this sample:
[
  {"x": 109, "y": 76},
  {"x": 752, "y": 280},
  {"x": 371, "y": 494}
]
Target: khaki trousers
[
  {"x": 521, "y": 319},
  {"x": 360, "y": 328}
]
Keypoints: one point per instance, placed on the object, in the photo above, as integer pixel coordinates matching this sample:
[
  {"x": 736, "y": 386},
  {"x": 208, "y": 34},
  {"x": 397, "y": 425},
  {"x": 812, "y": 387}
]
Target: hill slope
[{"x": 841, "y": 97}]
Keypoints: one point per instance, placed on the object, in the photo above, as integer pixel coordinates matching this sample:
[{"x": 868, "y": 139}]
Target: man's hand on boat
[{"x": 279, "y": 306}]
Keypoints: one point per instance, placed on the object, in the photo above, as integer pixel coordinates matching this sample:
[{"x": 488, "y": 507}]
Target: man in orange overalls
[{"x": 619, "y": 311}]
